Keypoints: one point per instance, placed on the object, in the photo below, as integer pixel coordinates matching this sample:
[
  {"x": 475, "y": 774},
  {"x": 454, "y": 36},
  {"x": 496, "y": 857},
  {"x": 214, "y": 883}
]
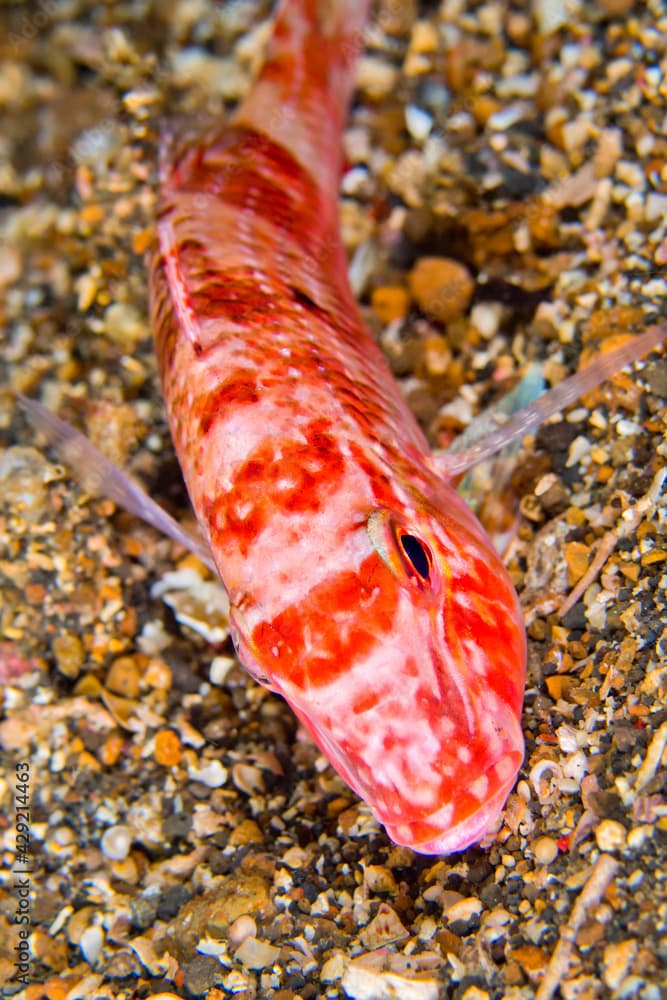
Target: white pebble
[
  {"x": 568, "y": 739},
  {"x": 610, "y": 835},
  {"x": 256, "y": 954},
  {"x": 220, "y": 667},
  {"x": 545, "y": 850},
  {"x": 639, "y": 835},
  {"x": 464, "y": 909},
  {"x": 242, "y": 928},
  {"x": 627, "y": 428},
  {"x": 116, "y": 843},
  {"x": 501, "y": 121},
  {"x": 518, "y": 85},
  {"x": 551, "y": 15},
  {"x": 63, "y": 836},
  {"x": 596, "y": 616},
  {"x": 332, "y": 969},
  {"x": 91, "y": 943},
  {"x": 354, "y": 181},
  {"x": 486, "y": 317},
  {"x": 153, "y": 638},
  {"x": 418, "y": 122},
  {"x": 376, "y": 78},
  {"x": 656, "y": 206},
  {"x": 575, "y": 766},
  {"x": 212, "y": 946},
  {"x": 212, "y": 774},
  {"x": 580, "y": 447}
]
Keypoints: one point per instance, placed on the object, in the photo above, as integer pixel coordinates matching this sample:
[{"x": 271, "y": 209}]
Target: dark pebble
[
  {"x": 624, "y": 737},
  {"x": 608, "y": 803},
  {"x": 239, "y": 698},
  {"x": 576, "y": 617},
  {"x": 479, "y": 870},
  {"x": 532, "y": 892},
  {"x": 173, "y": 900},
  {"x": 491, "y": 896},
  {"x": 549, "y": 939},
  {"x": 123, "y": 965},
  {"x": 199, "y": 791},
  {"x": 555, "y": 500},
  {"x": 310, "y": 891},
  {"x": 557, "y": 438},
  {"x": 219, "y": 862},
  {"x": 519, "y": 184},
  {"x": 497, "y": 950},
  {"x": 202, "y": 973},
  {"x": 177, "y": 827},
  {"x": 184, "y": 679},
  {"x": 463, "y": 927},
  {"x": 655, "y": 375},
  {"x": 466, "y": 983},
  {"x": 144, "y": 911}
]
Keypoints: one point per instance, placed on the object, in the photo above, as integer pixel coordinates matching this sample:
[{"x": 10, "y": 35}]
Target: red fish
[{"x": 361, "y": 586}]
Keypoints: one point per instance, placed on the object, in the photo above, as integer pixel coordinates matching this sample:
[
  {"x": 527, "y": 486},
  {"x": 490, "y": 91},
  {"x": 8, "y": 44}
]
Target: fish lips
[{"x": 443, "y": 832}]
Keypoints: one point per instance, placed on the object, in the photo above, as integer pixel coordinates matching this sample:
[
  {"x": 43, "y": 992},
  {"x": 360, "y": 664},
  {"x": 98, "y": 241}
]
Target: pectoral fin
[
  {"x": 102, "y": 478},
  {"x": 453, "y": 463}
]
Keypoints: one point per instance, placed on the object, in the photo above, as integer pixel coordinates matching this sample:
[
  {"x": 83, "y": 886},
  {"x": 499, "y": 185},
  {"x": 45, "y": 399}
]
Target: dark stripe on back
[{"x": 249, "y": 171}]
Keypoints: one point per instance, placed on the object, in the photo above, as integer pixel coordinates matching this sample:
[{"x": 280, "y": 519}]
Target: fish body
[{"x": 361, "y": 586}]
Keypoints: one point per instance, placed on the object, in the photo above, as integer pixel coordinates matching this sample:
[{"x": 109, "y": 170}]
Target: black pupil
[{"x": 416, "y": 553}]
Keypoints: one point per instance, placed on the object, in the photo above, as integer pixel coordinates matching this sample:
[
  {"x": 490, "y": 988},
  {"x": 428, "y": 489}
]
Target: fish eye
[
  {"x": 406, "y": 555},
  {"x": 416, "y": 554}
]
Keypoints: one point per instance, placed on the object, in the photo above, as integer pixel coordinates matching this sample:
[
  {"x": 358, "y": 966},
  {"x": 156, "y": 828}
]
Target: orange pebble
[
  {"x": 92, "y": 214},
  {"x": 142, "y": 240},
  {"x": 87, "y": 762},
  {"x": 167, "y": 748},
  {"x": 111, "y": 749},
  {"x": 390, "y": 302},
  {"x": 53, "y": 989},
  {"x": 442, "y": 288}
]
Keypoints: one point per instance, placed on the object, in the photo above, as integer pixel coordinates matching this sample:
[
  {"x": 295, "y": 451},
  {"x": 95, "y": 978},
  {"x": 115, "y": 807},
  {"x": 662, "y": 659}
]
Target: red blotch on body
[
  {"x": 487, "y": 624},
  {"x": 231, "y": 295},
  {"x": 293, "y": 475},
  {"x": 364, "y": 702},
  {"x": 310, "y": 645},
  {"x": 239, "y": 390},
  {"x": 251, "y": 173},
  {"x": 230, "y": 518},
  {"x": 289, "y": 476}
]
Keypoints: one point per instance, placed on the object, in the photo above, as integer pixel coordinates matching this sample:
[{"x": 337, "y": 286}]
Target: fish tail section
[
  {"x": 301, "y": 97},
  {"x": 259, "y": 192}
]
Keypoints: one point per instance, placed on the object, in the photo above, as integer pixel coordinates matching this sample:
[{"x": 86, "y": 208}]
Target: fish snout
[{"x": 473, "y": 798}]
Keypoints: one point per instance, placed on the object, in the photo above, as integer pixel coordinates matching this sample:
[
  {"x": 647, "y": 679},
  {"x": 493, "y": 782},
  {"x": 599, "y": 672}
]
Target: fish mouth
[
  {"x": 441, "y": 832},
  {"x": 455, "y": 825}
]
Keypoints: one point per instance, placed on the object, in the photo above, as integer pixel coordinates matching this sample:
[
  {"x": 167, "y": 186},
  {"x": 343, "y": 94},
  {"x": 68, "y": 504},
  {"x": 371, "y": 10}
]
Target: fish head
[{"x": 408, "y": 667}]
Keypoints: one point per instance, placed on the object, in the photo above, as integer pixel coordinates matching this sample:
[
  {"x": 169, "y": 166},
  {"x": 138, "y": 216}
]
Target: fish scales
[{"x": 361, "y": 587}]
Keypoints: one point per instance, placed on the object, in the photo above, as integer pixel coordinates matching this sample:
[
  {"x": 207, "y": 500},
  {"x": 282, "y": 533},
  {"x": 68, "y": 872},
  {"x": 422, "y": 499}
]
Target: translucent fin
[
  {"x": 102, "y": 478},
  {"x": 451, "y": 464},
  {"x": 525, "y": 392},
  {"x": 486, "y": 488}
]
